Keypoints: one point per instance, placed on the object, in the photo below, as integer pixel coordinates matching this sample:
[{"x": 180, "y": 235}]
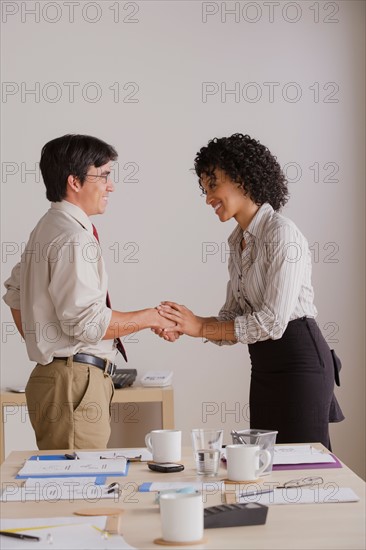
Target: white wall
[{"x": 148, "y": 63}]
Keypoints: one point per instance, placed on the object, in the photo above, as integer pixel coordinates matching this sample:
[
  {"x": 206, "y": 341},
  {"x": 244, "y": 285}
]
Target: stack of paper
[
  {"x": 54, "y": 489},
  {"x": 56, "y": 468},
  {"x": 302, "y": 495},
  {"x": 136, "y": 454},
  {"x": 300, "y": 454},
  {"x": 206, "y": 487},
  {"x": 61, "y": 534}
]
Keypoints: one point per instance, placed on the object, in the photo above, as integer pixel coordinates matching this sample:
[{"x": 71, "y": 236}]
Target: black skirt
[{"x": 292, "y": 385}]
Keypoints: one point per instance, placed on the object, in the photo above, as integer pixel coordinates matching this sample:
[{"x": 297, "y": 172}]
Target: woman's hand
[{"x": 186, "y": 321}]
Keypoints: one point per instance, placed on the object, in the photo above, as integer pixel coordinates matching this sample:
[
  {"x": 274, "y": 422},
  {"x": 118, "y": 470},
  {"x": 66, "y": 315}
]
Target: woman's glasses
[{"x": 301, "y": 482}]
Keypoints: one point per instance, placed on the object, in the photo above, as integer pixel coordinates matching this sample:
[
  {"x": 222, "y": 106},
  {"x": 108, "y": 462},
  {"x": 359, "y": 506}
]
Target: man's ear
[{"x": 73, "y": 183}]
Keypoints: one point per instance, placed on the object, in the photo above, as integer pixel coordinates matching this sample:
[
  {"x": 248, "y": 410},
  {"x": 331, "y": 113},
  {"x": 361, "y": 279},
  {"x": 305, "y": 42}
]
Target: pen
[
  {"x": 113, "y": 488},
  {"x": 129, "y": 459},
  {"x": 255, "y": 493},
  {"x": 72, "y": 456},
  {"x": 18, "y": 535}
]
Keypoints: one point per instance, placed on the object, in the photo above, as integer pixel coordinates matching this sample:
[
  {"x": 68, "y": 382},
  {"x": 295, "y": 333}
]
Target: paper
[
  {"x": 30, "y": 523},
  {"x": 16, "y": 389},
  {"x": 163, "y": 486},
  {"x": 138, "y": 453},
  {"x": 300, "y": 454},
  {"x": 56, "y": 468},
  {"x": 63, "y": 537},
  {"x": 302, "y": 495},
  {"x": 55, "y": 489},
  {"x": 45, "y": 481}
]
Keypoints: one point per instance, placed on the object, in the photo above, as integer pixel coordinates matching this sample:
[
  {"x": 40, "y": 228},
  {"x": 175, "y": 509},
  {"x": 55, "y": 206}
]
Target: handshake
[{"x": 175, "y": 320}]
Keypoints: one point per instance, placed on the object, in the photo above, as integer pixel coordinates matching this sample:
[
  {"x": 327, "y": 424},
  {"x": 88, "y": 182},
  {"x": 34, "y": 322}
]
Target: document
[
  {"x": 302, "y": 495},
  {"x": 176, "y": 485},
  {"x": 300, "y": 454},
  {"x": 131, "y": 454},
  {"x": 62, "y": 536},
  {"x": 60, "y": 488},
  {"x": 16, "y": 389},
  {"x": 57, "y": 468}
]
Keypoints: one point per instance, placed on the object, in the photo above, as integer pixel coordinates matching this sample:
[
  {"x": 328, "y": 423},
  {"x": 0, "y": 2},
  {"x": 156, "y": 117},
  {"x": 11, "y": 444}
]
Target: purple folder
[{"x": 314, "y": 466}]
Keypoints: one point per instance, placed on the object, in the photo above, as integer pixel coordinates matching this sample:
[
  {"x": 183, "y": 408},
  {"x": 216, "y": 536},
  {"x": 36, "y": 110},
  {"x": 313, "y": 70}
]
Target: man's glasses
[
  {"x": 301, "y": 482},
  {"x": 106, "y": 177}
]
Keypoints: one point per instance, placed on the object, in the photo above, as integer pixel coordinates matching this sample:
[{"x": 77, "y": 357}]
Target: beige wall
[{"x": 154, "y": 79}]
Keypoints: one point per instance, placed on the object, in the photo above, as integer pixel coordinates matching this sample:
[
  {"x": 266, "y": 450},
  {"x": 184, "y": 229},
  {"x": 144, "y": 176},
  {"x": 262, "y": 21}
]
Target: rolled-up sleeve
[
  {"x": 12, "y": 285},
  {"x": 78, "y": 290}
]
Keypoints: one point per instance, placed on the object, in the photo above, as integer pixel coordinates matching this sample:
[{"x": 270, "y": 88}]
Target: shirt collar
[
  {"x": 74, "y": 211},
  {"x": 256, "y": 226}
]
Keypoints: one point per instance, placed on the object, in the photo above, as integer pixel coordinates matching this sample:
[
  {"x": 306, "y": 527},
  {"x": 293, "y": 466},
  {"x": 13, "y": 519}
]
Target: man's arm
[
  {"x": 17, "y": 316},
  {"x": 123, "y": 323}
]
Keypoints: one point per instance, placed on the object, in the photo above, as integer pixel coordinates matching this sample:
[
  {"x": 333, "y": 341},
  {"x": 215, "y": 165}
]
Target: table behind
[{"x": 12, "y": 404}]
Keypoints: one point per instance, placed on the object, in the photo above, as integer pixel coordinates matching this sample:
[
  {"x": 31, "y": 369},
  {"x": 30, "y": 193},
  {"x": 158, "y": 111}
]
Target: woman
[{"x": 269, "y": 301}]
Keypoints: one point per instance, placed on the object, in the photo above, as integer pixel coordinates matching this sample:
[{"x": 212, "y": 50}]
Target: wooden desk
[
  {"x": 134, "y": 394},
  {"x": 302, "y": 526}
]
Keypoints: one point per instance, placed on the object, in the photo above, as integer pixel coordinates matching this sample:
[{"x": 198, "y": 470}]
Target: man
[{"x": 59, "y": 301}]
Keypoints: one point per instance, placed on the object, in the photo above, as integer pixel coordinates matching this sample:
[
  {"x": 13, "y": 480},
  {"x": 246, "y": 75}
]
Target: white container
[
  {"x": 266, "y": 439},
  {"x": 165, "y": 445},
  {"x": 246, "y": 462},
  {"x": 181, "y": 517}
]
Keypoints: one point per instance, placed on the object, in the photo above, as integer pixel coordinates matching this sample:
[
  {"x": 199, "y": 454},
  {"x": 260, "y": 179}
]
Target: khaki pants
[{"x": 69, "y": 405}]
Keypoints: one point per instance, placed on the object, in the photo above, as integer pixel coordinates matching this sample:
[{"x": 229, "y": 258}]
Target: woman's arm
[{"x": 188, "y": 323}]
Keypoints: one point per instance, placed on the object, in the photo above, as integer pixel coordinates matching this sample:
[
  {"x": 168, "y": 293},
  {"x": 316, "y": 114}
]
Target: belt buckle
[{"x": 109, "y": 368}]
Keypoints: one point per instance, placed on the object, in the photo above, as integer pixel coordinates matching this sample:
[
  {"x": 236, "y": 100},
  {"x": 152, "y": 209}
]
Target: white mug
[
  {"x": 181, "y": 517},
  {"x": 165, "y": 445},
  {"x": 243, "y": 462}
]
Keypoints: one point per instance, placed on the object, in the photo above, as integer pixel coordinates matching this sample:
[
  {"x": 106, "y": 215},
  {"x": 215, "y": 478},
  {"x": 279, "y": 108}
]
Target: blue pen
[{"x": 255, "y": 493}]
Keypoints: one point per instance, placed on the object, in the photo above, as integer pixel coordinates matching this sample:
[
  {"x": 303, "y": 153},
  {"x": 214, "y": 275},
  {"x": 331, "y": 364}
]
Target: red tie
[{"x": 118, "y": 342}]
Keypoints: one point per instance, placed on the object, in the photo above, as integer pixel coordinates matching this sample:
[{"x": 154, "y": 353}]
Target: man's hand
[
  {"x": 17, "y": 316},
  {"x": 163, "y": 325},
  {"x": 168, "y": 336}
]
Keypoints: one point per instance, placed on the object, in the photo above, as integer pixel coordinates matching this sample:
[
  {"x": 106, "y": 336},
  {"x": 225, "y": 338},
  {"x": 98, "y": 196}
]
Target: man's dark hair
[
  {"x": 71, "y": 155},
  {"x": 249, "y": 164}
]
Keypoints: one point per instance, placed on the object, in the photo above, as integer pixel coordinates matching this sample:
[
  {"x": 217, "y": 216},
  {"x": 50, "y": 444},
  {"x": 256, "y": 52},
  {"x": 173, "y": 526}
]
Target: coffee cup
[
  {"x": 243, "y": 462},
  {"x": 181, "y": 517},
  {"x": 266, "y": 439},
  {"x": 165, "y": 445}
]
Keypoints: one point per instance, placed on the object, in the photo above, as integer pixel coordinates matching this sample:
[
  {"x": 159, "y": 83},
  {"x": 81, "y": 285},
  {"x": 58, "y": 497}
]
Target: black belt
[{"x": 104, "y": 364}]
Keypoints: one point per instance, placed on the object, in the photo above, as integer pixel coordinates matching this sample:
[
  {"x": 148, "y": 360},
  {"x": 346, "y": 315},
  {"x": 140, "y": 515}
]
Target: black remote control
[{"x": 233, "y": 515}]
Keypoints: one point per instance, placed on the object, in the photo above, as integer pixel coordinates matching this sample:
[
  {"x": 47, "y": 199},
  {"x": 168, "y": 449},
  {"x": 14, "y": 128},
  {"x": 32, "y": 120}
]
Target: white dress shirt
[
  {"x": 60, "y": 287},
  {"x": 270, "y": 280}
]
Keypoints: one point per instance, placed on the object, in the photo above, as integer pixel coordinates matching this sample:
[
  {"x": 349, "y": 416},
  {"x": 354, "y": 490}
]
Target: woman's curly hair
[{"x": 249, "y": 164}]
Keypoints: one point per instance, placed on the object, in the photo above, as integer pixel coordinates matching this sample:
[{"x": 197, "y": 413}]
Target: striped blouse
[{"x": 270, "y": 280}]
